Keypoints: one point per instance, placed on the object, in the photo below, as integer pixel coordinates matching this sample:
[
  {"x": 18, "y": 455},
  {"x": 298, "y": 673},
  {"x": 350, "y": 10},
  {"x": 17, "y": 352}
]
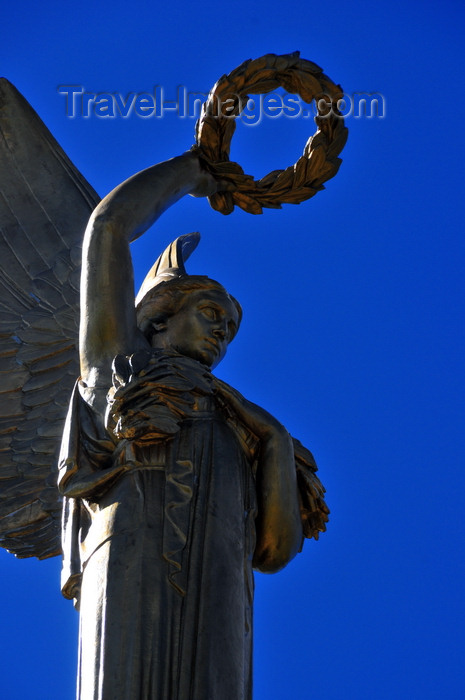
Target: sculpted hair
[{"x": 167, "y": 298}]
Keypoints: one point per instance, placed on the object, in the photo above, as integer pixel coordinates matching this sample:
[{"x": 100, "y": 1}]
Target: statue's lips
[{"x": 213, "y": 343}]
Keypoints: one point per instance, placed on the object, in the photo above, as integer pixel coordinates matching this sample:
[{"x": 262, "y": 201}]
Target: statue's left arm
[{"x": 278, "y": 522}]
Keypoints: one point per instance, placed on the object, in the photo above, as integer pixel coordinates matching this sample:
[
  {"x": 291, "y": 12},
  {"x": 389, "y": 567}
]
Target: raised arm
[{"x": 108, "y": 320}]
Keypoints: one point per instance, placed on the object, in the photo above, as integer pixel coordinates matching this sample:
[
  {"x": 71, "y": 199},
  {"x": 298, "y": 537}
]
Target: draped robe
[{"x": 160, "y": 557}]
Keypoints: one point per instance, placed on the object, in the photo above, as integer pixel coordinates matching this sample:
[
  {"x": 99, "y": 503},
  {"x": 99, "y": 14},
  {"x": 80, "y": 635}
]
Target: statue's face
[{"x": 202, "y": 328}]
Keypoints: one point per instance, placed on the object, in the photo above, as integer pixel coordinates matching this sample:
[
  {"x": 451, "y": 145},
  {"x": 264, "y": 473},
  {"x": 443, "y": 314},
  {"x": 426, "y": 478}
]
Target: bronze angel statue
[{"x": 162, "y": 487}]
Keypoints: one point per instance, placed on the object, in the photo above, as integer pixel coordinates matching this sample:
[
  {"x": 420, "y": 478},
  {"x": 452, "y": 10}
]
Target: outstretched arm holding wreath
[{"x": 108, "y": 320}]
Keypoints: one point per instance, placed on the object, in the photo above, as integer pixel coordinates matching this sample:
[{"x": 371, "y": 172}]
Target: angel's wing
[{"x": 44, "y": 206}]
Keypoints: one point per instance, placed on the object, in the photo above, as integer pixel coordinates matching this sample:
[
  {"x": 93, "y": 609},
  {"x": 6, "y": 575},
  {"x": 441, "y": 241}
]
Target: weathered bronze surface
[{"x": 173, "y": 486}]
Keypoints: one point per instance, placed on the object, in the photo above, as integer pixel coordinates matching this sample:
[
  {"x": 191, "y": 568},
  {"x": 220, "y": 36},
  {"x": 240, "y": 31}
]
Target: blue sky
[{"x": 353, "y": 322}]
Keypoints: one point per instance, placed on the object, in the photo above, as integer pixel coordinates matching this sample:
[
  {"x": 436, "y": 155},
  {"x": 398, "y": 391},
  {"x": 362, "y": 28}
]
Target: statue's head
[{"x": 191, "y": 314}]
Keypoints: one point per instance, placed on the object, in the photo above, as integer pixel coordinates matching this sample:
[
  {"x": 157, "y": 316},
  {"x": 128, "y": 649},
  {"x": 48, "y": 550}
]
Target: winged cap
[{"x": 170, "y": 264}]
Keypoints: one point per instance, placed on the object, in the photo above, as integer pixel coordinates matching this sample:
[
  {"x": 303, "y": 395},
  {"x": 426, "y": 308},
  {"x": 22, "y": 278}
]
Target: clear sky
[{"x": 353, "y": 321}]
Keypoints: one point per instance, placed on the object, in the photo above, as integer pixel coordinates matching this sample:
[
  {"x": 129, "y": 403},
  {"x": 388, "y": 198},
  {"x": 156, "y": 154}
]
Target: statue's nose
[{"x": 220, "y": 332}]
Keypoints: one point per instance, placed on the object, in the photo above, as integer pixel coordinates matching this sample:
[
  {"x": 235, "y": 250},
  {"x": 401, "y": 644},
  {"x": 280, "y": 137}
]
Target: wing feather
[{"x": 44, "y": 206}]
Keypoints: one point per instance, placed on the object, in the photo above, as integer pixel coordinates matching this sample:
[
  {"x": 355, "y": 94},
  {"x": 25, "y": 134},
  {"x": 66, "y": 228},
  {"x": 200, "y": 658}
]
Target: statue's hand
[
  {"x": 207, "y": 184},
  {"x": 260, "y": 422}
]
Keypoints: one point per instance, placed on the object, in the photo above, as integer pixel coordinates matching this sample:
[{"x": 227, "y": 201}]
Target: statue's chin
[{"x": 205, "y": 356}]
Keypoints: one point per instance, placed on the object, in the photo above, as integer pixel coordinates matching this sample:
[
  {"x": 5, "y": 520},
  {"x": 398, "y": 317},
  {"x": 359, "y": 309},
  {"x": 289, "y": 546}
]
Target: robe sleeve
[{"x": 87, "y": 452}]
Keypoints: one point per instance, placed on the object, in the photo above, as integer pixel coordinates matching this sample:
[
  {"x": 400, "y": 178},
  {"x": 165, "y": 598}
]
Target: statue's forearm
[
  {"x": 278, "y": 524},
  {"x": 279, "y": 529},
  {"x": 134, "y": 205},
  {"x": 108, "y": 320}
]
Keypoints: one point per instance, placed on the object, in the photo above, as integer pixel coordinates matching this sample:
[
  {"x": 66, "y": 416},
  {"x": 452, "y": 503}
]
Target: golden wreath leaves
[{"x": 216, "y": 126}]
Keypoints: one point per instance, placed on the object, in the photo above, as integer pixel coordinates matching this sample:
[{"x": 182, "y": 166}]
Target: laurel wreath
[{"x": 216, "y": 126}]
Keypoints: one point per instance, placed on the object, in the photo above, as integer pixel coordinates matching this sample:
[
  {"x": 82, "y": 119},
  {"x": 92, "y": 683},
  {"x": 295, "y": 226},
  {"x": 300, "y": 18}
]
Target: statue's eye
[{"x": 209, "y": 312}]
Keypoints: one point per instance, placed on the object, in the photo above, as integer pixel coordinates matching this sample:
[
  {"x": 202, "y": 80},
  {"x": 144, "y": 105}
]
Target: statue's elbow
[
  {"x": 279, "y": 539},
  {"x": 271, "y": 559},
  {"x": 103, "y": 221}
]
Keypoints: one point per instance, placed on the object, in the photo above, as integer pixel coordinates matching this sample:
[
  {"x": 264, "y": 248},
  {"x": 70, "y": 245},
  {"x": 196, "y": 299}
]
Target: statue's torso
[{"x": 167, "y": 586}]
